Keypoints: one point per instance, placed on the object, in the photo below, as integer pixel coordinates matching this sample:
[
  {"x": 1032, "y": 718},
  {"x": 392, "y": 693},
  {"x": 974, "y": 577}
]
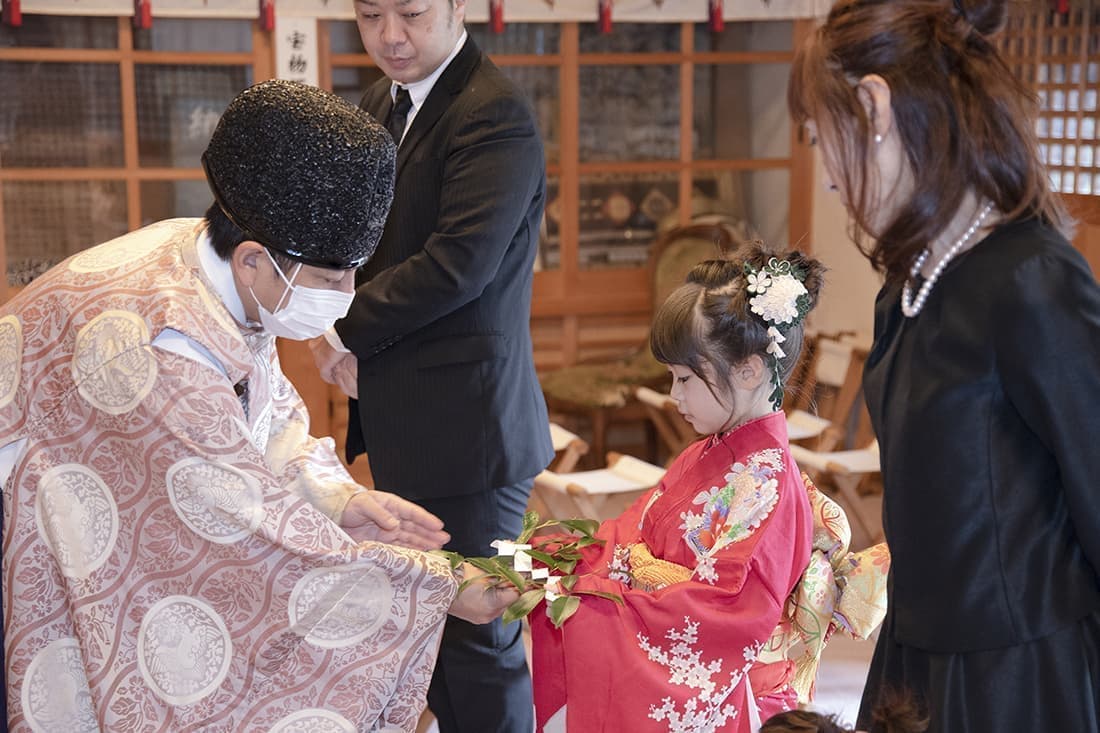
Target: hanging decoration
[
  {"x": 267, "y": 15},
  {"x": 715, "y": 10},
  {"x": 143, "y": 14},
  {"x": 1060, "y": 6},
  {"x": 605, "y": 15},
  {"x": 12, "y": 14},
  {"x": 496, "y": 16}
]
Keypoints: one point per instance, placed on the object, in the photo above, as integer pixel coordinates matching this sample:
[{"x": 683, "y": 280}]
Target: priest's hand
[
  {"x": 482, "y": 600},
  {"x": 384, "y": 517}
]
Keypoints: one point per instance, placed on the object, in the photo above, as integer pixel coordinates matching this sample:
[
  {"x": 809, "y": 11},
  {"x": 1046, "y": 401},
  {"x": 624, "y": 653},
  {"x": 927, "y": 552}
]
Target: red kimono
[{"x": 704, "y": 564}]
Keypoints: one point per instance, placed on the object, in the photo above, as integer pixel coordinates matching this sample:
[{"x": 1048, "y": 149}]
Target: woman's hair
[
  {"x": 964, "y": 118},
  {"x": 896, "y": 714},
  {"x": 225, "y": 236},
  {"x": 802, "y": 721},
  {"x": 709, "y": 320}
]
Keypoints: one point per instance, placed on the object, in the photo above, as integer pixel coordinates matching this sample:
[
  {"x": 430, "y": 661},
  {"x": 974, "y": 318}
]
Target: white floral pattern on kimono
[
  {"x": 733, "y": 511},
  {"x": 710, "y": 709}
]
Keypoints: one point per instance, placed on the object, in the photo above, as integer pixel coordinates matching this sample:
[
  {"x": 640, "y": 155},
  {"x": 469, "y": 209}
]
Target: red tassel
[
  {"x": 605, "y": 16},
  {"x": 143, "y": 14},
  {"x": 12, "y": 14},
  {"x": 1061, "y": 6},
  {"x": 267, "y": 15},
  {"x": 496, "y": 16},
  {"x": 717, "y": 23}
]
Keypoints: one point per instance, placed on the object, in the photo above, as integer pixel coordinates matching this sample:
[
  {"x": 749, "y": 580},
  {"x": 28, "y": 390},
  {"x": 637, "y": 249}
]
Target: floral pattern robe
[
  {"x": 170, "y": 559},
  {"x": 733, "y": 513}
]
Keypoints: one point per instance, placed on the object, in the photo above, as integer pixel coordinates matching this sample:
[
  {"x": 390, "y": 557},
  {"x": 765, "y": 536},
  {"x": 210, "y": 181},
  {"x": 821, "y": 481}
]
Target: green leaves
[
  {"x": 559, "y": 554},
  {"x": 530, "y": 526},
  {"x": 499, "y": 568},
  {"x": 524, "y": 605},
  {"x": 584, "y": 527},
  {"x": 562, "y": 607}
]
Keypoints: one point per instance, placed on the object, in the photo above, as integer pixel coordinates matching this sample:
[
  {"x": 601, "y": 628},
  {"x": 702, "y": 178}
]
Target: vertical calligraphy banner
[{"x": 296, "y": 55}]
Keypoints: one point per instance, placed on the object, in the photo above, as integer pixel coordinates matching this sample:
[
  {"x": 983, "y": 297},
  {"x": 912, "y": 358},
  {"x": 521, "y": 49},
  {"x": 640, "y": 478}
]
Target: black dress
[{"x": 987, "y": 408}]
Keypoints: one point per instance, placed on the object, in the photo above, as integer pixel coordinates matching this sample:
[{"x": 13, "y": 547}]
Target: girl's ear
[{"x": 749, "y": 374}]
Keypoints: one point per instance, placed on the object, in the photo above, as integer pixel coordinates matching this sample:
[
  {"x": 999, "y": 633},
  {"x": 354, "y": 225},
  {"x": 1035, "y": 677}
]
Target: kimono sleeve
[
  {"x": 305, "y": 465},
  {"x": 328, "y": 613}
]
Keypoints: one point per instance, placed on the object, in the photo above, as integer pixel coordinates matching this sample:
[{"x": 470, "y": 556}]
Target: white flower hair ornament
[{"x": 782, "y": 302}]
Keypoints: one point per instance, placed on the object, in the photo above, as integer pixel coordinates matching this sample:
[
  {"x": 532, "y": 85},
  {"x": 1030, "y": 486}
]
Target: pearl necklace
[{"x": 911, "y": 306}]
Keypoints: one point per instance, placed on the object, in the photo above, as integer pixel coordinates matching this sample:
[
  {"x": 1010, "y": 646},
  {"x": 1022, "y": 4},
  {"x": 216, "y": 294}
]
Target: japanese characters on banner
[{"x": 296, "y": 48}]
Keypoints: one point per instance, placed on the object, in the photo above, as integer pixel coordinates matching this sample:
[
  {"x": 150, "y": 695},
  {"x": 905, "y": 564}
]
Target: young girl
[{"x": 703, "y": 563}]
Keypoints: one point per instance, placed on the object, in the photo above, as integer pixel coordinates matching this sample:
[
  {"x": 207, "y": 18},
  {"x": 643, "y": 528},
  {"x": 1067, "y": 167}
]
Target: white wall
[{"x": 848, "y": 299}]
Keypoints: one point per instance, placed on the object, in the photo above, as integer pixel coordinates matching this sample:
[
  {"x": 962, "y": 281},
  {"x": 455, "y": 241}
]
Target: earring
[{"x": 878, "y": 138}]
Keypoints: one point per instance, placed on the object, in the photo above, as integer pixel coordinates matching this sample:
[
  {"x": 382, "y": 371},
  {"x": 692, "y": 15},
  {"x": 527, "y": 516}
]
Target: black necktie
[{"x": 399, "y": 114}]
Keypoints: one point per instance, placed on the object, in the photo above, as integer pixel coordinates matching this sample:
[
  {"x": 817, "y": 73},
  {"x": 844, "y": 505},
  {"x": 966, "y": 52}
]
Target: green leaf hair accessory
[{"x": 782, "y": 301}]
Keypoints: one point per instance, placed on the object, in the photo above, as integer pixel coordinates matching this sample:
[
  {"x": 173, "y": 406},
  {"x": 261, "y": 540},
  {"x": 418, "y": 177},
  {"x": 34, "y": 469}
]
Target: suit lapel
[
  {"x": 450, "y": 83},
  {"x": 377, "y": 101}
]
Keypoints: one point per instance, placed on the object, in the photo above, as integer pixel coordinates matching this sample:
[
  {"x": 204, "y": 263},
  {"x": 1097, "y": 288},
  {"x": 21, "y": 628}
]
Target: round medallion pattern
[
  {"x": 341, "y": 605},
  {"x": 216, "y": 501},
  {"x": 113, "y": 365},
  {"x": 78, "y": 518},
  {"x": 184, "y": 649},
  {"x": 55, "y": 692}
]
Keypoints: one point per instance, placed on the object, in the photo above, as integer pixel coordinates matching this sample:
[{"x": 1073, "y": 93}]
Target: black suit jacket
[{"x": 449, "y": 402}]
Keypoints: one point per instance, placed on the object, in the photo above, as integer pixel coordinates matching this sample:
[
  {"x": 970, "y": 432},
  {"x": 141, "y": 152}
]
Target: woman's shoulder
[{"x": 1016, "y": 243}]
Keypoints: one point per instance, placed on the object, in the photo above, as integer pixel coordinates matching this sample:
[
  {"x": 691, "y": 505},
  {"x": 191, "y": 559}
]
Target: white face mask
[{"x": 308, "y": 312}]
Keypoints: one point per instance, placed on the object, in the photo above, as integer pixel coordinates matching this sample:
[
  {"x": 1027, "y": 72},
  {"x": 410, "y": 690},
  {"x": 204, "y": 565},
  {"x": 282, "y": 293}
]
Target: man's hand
[
  {"x": 384, "y": 517},
  {"x": 336, "y": 367},
  {"x": 480, "y": 602},
  {"x": 346, "y": 376},
  {"x": 325, "y": 357}
]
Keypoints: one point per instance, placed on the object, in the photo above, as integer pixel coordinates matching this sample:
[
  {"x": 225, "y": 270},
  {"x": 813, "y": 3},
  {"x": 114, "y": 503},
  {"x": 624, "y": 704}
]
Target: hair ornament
[
  {"x": 780, "y": 298},
  {"x": 776, "y": 339},
  {"x": 782, "y": 301}
]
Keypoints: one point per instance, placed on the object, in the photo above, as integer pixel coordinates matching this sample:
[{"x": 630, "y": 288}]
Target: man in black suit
[{"x": 449, "y": 406}]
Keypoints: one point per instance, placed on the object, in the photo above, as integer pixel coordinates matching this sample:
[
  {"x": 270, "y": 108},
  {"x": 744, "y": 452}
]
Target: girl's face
[{"x": 706, "y": 413}]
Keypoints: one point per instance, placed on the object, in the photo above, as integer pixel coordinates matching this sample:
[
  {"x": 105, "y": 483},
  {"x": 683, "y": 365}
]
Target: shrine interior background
[{"x": 655, "y": 124}]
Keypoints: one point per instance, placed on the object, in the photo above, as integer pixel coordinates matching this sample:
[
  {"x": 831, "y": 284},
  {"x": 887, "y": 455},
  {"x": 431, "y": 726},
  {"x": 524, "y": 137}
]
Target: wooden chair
[
  {"x": 568, "y": 449},
  {"x": 602, "y": 392},
  {"x": 828, "y": 410},
  {"x": 854, "y": 477},
  {"x": 597, "y": 494},
  {"x": 674, "y": 432}
]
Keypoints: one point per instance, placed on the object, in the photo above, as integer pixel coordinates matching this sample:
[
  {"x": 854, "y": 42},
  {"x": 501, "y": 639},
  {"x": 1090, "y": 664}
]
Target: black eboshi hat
[{"x": 302, "y": 171}]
